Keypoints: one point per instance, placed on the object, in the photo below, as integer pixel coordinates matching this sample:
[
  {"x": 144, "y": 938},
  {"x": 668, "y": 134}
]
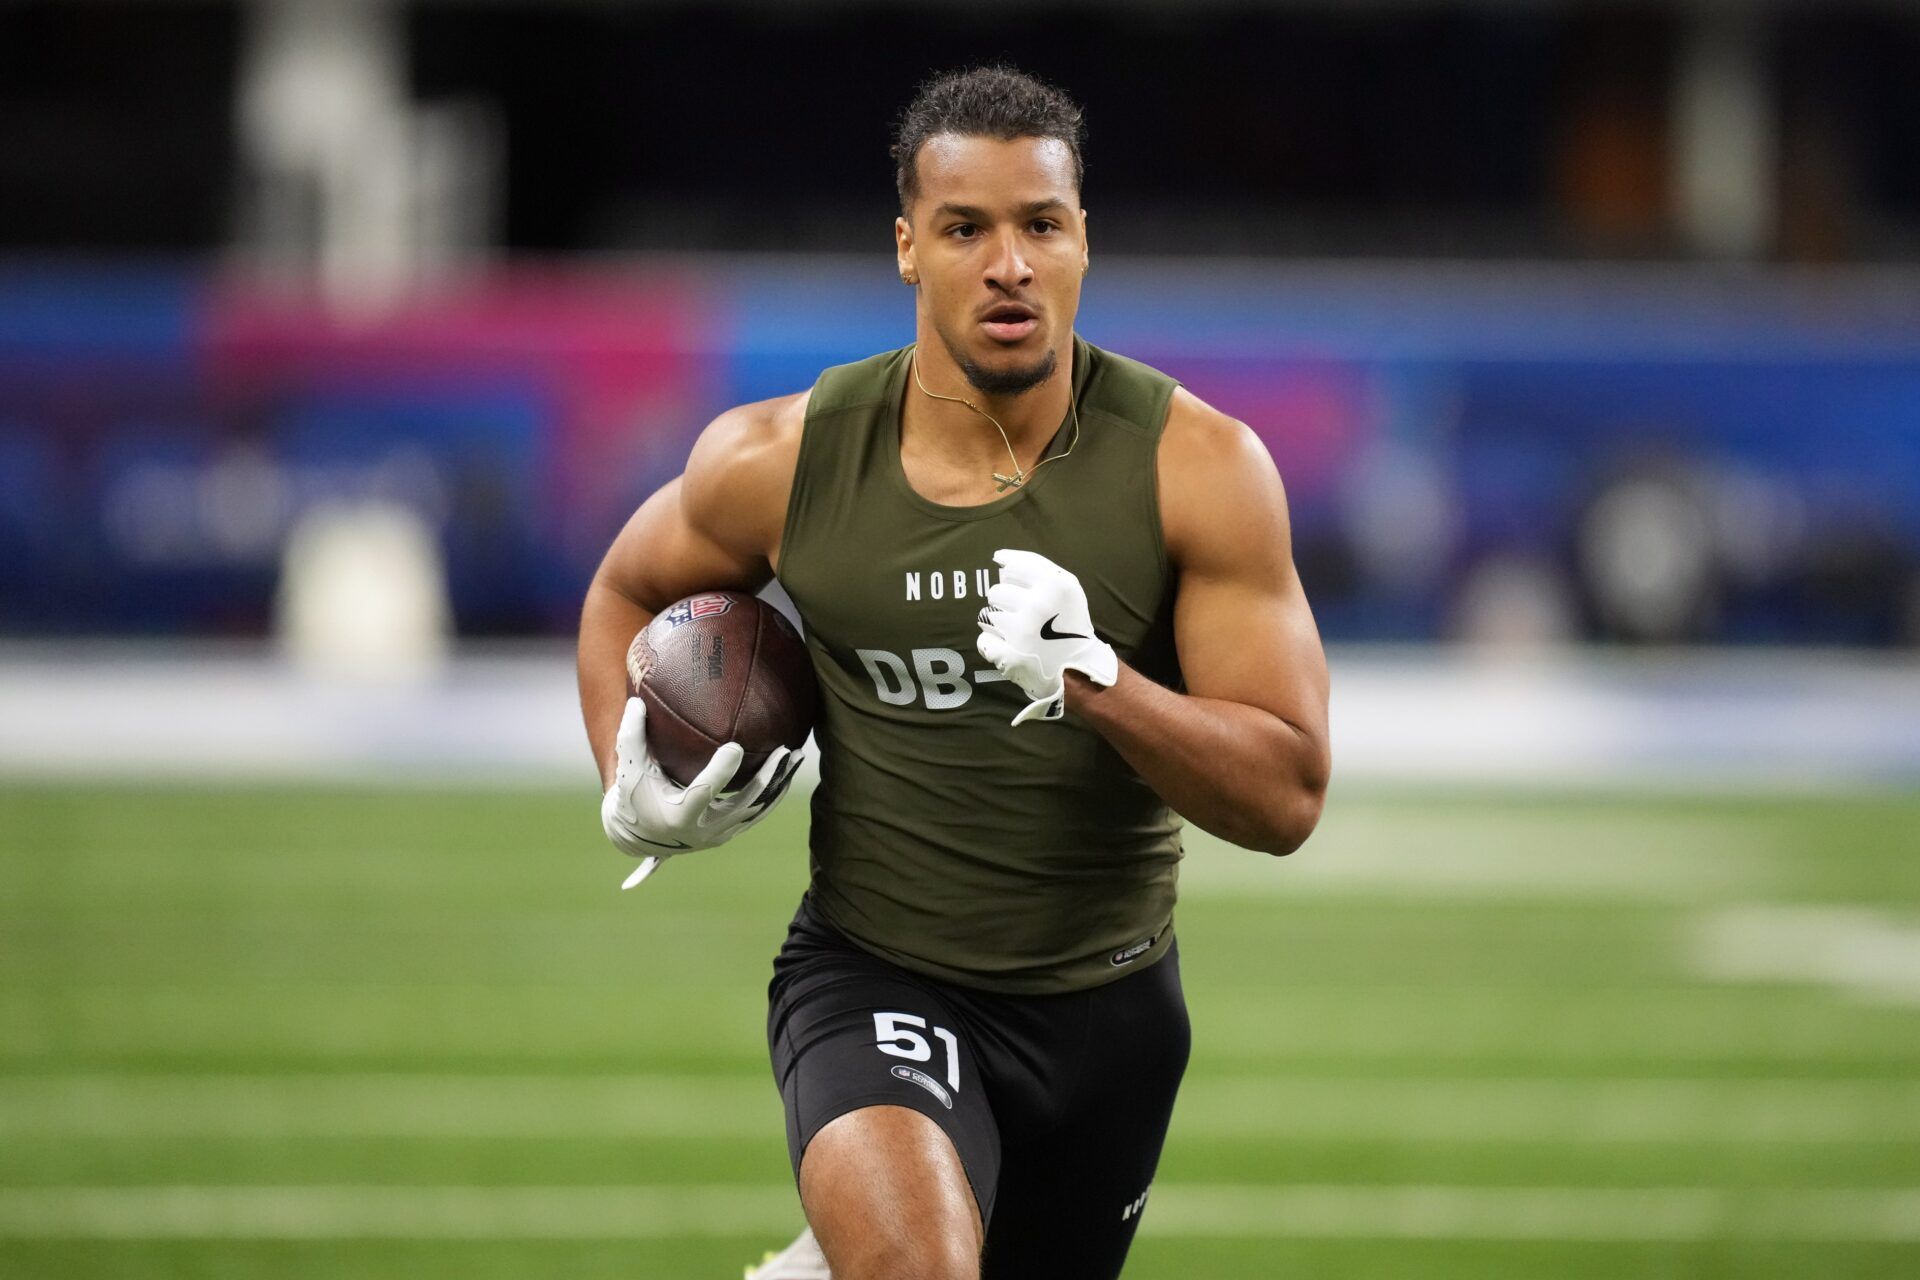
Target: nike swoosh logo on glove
[{"x": 1048, "y": 633}]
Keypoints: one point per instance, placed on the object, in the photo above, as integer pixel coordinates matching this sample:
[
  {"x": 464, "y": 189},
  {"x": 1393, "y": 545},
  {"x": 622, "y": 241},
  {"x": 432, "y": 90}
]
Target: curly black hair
[{"x": 993, "y": 102}]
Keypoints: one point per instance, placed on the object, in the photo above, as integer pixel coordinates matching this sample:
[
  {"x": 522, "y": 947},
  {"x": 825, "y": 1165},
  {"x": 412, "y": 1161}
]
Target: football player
[{"x": 1050, "y": 599}]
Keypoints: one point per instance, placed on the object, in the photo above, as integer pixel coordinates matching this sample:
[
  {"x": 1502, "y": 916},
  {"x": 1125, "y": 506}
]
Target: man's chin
[{"x": 1006, "y": 373}]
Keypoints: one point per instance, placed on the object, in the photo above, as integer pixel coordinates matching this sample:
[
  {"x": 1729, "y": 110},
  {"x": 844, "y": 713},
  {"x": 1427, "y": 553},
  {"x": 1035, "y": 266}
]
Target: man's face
[{"x": 999, "y": 243}]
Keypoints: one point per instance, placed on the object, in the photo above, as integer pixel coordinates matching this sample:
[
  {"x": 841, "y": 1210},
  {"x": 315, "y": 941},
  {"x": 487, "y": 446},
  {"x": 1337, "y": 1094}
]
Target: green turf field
[{"x": 395, "y": 1033}]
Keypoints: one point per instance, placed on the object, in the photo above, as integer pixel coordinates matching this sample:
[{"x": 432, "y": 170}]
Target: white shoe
[{"x": 801, "y": 1260}]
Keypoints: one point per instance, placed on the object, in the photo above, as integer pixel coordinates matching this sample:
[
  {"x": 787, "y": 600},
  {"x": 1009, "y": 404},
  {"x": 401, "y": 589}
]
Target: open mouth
[{"x": 1009, "y": 322}]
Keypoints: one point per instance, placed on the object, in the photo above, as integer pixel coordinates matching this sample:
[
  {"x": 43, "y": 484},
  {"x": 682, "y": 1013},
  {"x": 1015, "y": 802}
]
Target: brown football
[{"x": 721, "y": 667}]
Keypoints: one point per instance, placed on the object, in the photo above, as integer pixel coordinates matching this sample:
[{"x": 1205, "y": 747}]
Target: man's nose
[{"x": 1007, "y": 266}]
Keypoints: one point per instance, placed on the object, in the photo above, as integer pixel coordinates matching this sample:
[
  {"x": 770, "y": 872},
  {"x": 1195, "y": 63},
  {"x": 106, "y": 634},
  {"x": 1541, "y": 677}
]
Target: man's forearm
[
  {"x": 608, "y": 623},
  {"x": 1242, "y": 773}
]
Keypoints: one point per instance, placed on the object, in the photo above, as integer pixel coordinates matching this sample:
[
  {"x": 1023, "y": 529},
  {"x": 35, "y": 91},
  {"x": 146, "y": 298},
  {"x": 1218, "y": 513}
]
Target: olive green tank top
[{"x": 1027, "y": 860}]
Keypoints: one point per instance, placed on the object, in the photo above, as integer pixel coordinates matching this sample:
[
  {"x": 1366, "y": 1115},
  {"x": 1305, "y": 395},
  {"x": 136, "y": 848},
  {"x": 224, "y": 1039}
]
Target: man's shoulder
[
  {"x": 744, "y": 461},
  {"x": 1201, "y": 438},
  {"x": 1115, "y": 362},
  {"x": 1129, "y": 392},
  {"x": 761, "y": 424},
  {"x": 858, "y": 384},
  {"x": 764, "y": 436},
  {"x": 1214, "y": 474}
]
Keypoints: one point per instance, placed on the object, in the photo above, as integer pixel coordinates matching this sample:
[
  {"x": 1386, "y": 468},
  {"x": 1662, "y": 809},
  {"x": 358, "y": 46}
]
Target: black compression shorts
[{"x": 1058, "y": 1105}]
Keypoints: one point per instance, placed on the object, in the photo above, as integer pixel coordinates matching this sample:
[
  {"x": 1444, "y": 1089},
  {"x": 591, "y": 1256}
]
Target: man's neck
[{"x": 949, "y": 431}]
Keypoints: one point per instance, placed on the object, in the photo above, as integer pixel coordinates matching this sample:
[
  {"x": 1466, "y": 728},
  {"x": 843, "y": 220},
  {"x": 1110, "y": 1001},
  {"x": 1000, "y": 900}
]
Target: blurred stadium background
[{"x": 338, "y": 336}]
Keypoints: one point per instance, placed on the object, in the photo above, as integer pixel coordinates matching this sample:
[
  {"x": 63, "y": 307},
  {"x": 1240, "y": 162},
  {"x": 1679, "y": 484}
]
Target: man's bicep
[
  {"x": 1251, "y": 641},
  {"x": 661, "y": 556},
  {"x": 1244, "y": 630}
]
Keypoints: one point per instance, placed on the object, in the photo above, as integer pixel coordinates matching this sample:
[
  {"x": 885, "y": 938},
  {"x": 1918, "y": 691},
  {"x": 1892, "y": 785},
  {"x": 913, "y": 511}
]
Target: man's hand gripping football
[
  {"x": 648, "y": 815},
  {"x": 1035, "y": 629}
]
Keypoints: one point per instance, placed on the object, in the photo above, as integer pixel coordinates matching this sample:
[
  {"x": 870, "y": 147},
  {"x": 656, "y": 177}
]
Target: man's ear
[
  {"x": 1084, "y": 262},
  {"x": 903, "y": 251}
]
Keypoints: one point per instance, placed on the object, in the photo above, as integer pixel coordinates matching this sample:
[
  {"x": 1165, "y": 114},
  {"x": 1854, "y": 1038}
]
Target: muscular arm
[
  {"x": 717, "y": 526},
  {"x": 1243, "y": 753}
]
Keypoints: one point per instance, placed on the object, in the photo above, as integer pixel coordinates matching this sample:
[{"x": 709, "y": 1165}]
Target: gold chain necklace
[{"x": 1018, "y": 477}]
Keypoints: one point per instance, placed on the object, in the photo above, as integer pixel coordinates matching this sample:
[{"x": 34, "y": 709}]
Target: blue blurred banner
[{"x": 1634, "y": 454}]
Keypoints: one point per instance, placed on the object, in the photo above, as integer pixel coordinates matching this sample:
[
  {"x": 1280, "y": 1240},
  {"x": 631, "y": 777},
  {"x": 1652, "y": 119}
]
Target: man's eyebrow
[{"x": 972, "y": 214}]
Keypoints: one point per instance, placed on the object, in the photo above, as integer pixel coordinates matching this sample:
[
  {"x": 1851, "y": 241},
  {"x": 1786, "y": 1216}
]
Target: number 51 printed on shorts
[{"x": 898, "y": 1035}]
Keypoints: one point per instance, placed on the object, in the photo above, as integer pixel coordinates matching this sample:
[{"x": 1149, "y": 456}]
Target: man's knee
[
  {"x": 888, "y": 1199},
  {"x": 932, "y": 1257}
]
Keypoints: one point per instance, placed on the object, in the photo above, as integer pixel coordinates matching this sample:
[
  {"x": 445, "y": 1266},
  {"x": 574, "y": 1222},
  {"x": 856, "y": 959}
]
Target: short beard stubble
[{"x": 1002, "y": 382}]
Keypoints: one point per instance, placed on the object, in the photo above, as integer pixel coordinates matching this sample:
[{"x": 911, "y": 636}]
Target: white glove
[
  {"x": 1035, "y": 629},
  {"x": 648, "y": 815}
]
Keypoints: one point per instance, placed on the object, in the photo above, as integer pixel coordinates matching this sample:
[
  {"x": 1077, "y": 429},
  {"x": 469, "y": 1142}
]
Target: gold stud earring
[{"x": 907, "y": 277}]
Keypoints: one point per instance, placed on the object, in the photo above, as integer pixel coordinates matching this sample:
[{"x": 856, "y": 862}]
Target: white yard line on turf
[
  {"x": 1535, "y": 1213},
  {"x": 1867, "y": 953},
  {"x": 1214, "y": 1107},
  {"x": 400, "y": 1213},
  {"x": 1436, "y": 852},
  {"x": 652, "y": 1212}
]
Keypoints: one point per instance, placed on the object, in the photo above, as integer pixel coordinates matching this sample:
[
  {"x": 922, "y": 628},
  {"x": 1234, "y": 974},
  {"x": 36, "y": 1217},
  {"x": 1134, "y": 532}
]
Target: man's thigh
[
  {"x": 887, "y": 1197},
  {"x": 848, "y": 1033},
  {"x": 1070, "y": 1198}
]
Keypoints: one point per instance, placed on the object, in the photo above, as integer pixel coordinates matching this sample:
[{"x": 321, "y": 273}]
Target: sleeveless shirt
[{"x": 1029, "y": 860}]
